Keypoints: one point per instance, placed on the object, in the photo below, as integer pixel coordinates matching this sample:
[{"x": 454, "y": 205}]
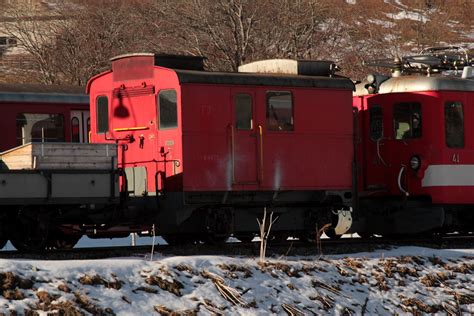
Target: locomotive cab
[{"x": 416, "y": 154}]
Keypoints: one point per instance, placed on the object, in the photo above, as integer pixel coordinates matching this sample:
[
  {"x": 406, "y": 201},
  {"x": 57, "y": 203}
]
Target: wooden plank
[{"x": 60, "y": 156}]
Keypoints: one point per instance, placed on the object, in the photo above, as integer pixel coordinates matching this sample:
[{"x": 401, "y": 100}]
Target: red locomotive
[
  {"x": 206, "y": 151},
  {"x": 416, "y": 161},
  {"x": 40, "y": 113}
]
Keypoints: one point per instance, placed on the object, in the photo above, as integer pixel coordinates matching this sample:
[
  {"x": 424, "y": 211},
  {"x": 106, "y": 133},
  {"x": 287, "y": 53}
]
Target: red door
[{"x": 243, "y": 138}]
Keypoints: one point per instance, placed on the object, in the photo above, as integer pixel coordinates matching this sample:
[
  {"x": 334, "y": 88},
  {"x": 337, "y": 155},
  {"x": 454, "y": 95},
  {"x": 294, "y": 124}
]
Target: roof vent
[
  {"x": 186, "y": 62},
  {"x": 291, "y": 67}
]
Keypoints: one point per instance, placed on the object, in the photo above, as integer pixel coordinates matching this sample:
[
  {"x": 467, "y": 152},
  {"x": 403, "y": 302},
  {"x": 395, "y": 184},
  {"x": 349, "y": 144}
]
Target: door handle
[{"x": 260, "y": 134}]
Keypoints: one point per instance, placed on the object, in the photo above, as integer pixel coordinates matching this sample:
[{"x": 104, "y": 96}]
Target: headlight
[
  {"x": 415, "y": 162},
  {"x": 371, "y": 79}
]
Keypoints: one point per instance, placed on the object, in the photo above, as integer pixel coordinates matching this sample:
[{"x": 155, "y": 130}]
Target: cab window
[
  {"x": 376, "y": 122},
  {"x": 102, "y": 110},
  {"x": 243, "y": 112},
  {"x": 407, "y": 120},
  {"x": 279, "y": 111},
  {"x": 167, "y": 109},
  {"x": 454, "y": 124}
]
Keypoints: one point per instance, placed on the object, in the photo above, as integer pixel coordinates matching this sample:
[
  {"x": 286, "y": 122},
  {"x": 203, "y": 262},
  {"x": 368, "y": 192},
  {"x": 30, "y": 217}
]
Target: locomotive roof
[
  {"x": 418, "y": 83},
  {"x": 191, "y": 76},
  {"x": 38, "y": 93}
]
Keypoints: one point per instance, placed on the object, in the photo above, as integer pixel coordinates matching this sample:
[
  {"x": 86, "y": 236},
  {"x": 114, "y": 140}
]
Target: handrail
[
  {"x": 260, "y": 134},
  {"x": 232, "y": 144}
]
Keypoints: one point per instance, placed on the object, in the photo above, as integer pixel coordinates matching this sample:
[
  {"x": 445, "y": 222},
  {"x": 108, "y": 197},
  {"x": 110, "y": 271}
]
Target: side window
[
  {"x": 167, "y": 109},
  {"x": 33, "y": 127},
  {"x": 75, "y": 138},
  {"x": 279, "y": 111},
  {"x": 454, "y": 124},
  {"x": 243, "y": 112},
  {"x": 102, "y": 110},
  {"x": 376, "y": 122},
  {"x": 407, "y": 120}
]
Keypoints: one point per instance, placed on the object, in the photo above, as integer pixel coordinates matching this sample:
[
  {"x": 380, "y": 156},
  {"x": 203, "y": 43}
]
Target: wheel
[
  {"x": 278, "y": 237},
  {"x": 58, "y": 240},
  {"x": 365, "y": 235},
  {"x": 245, "y": 237},
  {"x": 214, "y": 239},
  {"x": 3, "y": 242},
  {"x": 331, "y": 233},
  {"x": 178, "y": 239},
  {"x": 29, "y": 233}
]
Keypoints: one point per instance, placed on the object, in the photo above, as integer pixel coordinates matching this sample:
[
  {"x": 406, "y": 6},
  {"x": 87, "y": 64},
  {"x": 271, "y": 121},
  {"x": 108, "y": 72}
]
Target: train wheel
[
  {"x": 179, "y": 239},
  {"x": 331, "y": 233},
  {"x": 58, "y": 240},
  {"x": 29, "y": 236},
  {"x": 245, "y": 237},
  {"x": 214, "y": 239},
  {"x": 278, "y": 237},
  {"x": 29, "y": 228},
  {"x": 3, "y": 242}
]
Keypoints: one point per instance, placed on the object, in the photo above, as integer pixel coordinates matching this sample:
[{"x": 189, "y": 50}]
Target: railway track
[{"x": 251, "y": 249}]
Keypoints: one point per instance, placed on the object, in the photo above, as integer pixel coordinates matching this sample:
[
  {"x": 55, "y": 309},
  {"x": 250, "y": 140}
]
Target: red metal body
[
  {"x": 446, "y": 175},
  {"x": 69, "y": 104},
  {"x": 206, "y": 152}
]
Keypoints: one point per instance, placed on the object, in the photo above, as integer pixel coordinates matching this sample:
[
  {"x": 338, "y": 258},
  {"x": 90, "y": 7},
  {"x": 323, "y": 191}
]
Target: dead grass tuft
[
  {"x": 83, "y": 301},
  {"x": 163, "y": 310},
  {"x": 173, "y": 286},
  {"x": 186, "y": 268},
  {"x": 10, "y": 284},
  {"x": 98, "y": 280},
  {"x": 414, "y": 306},
  {"x": 63, "y": 287},
  {"x": 13, "y": 294},
  {"x": 436, "y": 261},
  {"x": 381, "y": 282},
  {"x": 270, "y": 267},
  {"x": 145, "y": 289},
  {"x": 464, "y": 268},
  {"x": 233, "y": 269}
]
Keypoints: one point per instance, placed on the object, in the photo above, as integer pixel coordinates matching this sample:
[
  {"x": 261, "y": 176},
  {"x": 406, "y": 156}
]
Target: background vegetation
[{"x": 67, "y": 42}]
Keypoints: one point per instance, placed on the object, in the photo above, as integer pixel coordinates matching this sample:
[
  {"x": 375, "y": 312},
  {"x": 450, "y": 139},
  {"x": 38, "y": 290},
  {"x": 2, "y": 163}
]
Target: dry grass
[
  {"x": 98, "y": 280},
  {"x": 173, "y": 286}
]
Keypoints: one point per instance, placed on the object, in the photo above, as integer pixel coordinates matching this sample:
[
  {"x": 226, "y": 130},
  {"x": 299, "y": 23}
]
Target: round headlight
[
  {"x": 415, "y": 162},
  {"x": 371, "y": 79}
]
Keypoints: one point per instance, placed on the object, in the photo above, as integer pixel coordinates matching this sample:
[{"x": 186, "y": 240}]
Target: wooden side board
[{"x": 38, "y": 156}]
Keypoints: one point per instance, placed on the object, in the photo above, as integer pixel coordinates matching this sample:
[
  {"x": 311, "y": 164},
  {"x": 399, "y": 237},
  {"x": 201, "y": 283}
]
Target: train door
[
  {"x": 80, "y": 126},
  {"x": 244, "y": 138},
  {"x": 375, "y": 152}
]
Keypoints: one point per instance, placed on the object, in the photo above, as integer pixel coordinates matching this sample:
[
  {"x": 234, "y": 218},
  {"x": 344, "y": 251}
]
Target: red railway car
[
  {"x": 416, "y": 157},
  {"x": 206, "y": 151},
  {"x": 42, "y": 113}
]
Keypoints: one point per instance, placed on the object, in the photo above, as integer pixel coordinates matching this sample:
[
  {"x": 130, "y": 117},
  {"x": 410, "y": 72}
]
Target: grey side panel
[
  {"x": 81, "y": 185},
  {"x": 23, "y": 186}
]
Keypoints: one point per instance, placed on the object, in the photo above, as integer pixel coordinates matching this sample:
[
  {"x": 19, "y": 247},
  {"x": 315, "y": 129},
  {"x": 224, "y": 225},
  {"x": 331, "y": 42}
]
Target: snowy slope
[{"x": 401, "y": 281}]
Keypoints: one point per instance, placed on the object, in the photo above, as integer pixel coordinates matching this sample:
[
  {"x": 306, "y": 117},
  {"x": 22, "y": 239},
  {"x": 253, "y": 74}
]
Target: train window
[
  {"x": 168, "y": 110},
  {"x": 376, "y": 122},
  {"x": 407, "y": 120},
  {"x": 454, "y": 124},
  {"x": 75, "y": 138},
  {"x": 34, "y": 127},
  {"x": 279, "y": 111},
  {"x": 102, "y": 108},
  {"x": 243, "y": 112}
]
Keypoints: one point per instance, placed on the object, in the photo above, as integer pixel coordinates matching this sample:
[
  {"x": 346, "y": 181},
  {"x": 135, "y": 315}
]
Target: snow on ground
[{"x": 402, "y": 281}]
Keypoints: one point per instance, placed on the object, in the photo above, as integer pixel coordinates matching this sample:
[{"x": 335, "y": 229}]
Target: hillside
[{"x": 70, "y": 41}]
